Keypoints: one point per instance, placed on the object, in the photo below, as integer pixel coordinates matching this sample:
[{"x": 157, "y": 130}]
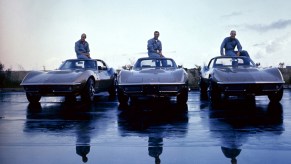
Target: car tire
[
  {"x": 203, "y": 87},
  {"x": 112, "y": 89},
  {"x": 89, "y": 91},
  {"x": 276, "y": 96},
  {"x": 133, "y": 99},
  {"x": 182, "y": 98},
  {"x": 70, "y": 98},
  {"x": 33, "y": 98},
  {"x": 122, "y": 98},
  {"x": 214, "y": 93},
  {"x": 250, "y": 98}
]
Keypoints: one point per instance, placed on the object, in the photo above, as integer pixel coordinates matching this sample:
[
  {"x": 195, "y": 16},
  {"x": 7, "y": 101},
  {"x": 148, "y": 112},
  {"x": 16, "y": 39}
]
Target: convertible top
[
  {"x": 152, "y": 62},
  {"x": 232, "y": 57},
  {"x": 163, "y": 58}
]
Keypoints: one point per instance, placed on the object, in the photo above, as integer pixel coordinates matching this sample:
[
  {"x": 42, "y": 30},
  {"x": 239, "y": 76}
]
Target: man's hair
[
  {"x": 232, "y": 31},
  {"x": 156, "y": 32}
]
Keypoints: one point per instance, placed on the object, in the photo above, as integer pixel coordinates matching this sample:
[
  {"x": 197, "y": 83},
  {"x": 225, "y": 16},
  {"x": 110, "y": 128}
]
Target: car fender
[{"x": 30, "y": 75}]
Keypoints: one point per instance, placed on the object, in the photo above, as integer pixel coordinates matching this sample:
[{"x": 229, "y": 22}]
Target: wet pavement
[{"x": 147, "y": 131}]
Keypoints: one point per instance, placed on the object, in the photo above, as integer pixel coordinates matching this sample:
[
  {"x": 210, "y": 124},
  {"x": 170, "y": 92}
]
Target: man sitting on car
[
  {"x": 229, "y": 44},
  {"x": 155, "y": 48},
  {"x": 82, "y": 48}
]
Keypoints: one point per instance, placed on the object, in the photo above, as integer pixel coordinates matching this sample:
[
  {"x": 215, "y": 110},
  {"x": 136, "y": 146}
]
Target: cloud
[
  {"x": 259, "y": 44},
  {"x": 273, "y": 51},
  {"x": 280, "y": 24},
  {"x": 272, "y": 46},
  {"x": 233, "y": 14},
  {"x": 259, "y": 55},
  {"x": 278, "y": 44}
]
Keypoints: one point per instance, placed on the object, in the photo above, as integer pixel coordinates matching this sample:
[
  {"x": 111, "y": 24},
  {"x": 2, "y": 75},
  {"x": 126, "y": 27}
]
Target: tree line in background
[
  {"x": 12, "y": 79},
  {"x": 5, "y": 77}
]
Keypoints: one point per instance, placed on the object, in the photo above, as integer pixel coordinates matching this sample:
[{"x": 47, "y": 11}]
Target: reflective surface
[{"x": 146, "y": 131}]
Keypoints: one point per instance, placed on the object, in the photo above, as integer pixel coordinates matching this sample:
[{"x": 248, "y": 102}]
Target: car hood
[
  {"x": 53, "y": 77},
  {"x": 248, "y": 75},
  {"x": 153, "y": 76}
]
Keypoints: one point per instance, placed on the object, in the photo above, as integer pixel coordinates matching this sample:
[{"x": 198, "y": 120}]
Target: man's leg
[
  {"x": 244, "y": 53},
  {"x": 82, "y": 57},
  {"x": 164, "y": 62},
  {"x": 154, "y": 55},
  {"x": 230, "y": 53}
]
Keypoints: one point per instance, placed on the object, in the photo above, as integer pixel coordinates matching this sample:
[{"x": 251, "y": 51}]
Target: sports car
[
  {"x": 154, "y": 77},
  {"x": 239, "y": 76},
  {"x": 74, "y": 77}
]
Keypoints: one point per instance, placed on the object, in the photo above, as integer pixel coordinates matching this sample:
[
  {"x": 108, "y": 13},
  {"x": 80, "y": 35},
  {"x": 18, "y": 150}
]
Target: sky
[{"x": 40, "y": 34}]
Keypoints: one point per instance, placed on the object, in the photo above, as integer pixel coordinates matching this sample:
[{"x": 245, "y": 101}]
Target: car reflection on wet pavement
[
  {"x": 145, "y": 131},
  {"x": 239, "y": 120},
  {"x": 82, "y": 120},
  {"x": 154, "y": 120}
]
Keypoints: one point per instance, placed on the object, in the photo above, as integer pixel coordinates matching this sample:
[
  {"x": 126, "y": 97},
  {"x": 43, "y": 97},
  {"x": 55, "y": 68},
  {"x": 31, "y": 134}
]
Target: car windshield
[
  {"x": 78, "y": 64},
  {"x": 154, "y": 63},
  {"x": 233, "y": 62}
]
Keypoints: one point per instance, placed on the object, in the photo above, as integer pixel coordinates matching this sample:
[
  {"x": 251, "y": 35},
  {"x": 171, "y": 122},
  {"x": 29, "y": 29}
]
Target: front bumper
[
  {"x": 53, "y": 90},
  {"x": 250, "y": 89},
  {"x": 152, "y": 90}
]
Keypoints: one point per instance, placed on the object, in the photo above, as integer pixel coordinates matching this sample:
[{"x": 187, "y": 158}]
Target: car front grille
[
  {"x": 50, "y": 88},
  {"x": 169, "y": 88},
  {"x": 252, "y": 87},
  {"x": 151, "y": 89}
]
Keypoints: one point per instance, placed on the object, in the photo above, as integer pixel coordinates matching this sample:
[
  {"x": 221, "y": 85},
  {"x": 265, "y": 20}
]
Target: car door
[
  {"x": 92, "y": 65},
  {"x": 105, "y": 76}
]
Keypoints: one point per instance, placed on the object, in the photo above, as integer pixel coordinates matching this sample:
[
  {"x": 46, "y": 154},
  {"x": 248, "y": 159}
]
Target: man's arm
[
  {"x": 239, "y": 47},
  {"x": 77, "y": 48},
  {"x": 80, "y": 51},
  {"x": 88, "y": 50},
  {"x": 222, "y": 47},
  {"x": 150, "y": 46},
  {"x": 160, "y": 48}
]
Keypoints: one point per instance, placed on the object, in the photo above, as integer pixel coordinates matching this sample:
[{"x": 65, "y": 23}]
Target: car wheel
[
  {"x": 203, "y": 89},
  {"x": 250, "y": 97},
  {"x": 112, "y": 89},
  {"x": 33, "y": 98},
  {"x": 133, "y": 99},
  {"x": 70, "y": 98},
  {"x": 122, "y": 98},
  {"x": 89, "y": 91},
  {"x": 213, "y": 93},
  {"x": 276, "y": 96},
  {"x": 182, "y": 98}
]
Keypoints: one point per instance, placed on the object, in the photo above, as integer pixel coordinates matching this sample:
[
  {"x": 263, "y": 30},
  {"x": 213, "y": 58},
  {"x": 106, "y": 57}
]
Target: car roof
[
  {"x": 231, "y": 57},
  {"x": 143, "y": 58},
  {"x": 83, "y": 60}
]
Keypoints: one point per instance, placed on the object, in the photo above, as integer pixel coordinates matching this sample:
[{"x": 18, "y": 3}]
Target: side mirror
[
  {"x": 205, "y": 68},
  {"x": 258, "y": 64},
  {"x": 130, "y": 67}
]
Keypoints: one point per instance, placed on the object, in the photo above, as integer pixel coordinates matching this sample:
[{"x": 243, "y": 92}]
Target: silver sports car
[
  {"x": 74, "y": 77},
  {"x": 234, "y": 76},
  {"x": 156, "y": 77}
]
